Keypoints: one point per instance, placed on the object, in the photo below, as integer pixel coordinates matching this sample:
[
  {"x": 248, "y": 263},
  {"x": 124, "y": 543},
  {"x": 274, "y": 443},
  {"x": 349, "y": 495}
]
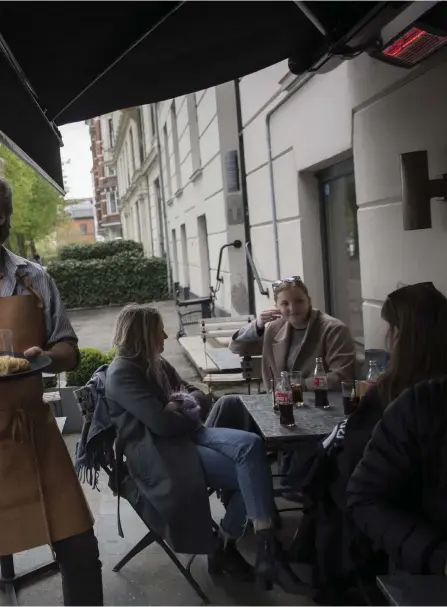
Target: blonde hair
[
  {"x": 284, "y": 286},
  {"x": 137, "y": 334}
]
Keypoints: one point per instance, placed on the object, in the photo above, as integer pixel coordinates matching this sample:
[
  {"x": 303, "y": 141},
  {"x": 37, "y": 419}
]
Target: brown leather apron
[{"x": 41, "y": 500}]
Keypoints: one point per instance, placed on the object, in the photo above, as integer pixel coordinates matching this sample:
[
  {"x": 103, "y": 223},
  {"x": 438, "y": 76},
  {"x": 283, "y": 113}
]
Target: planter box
[{"x": 70, "y": 410}]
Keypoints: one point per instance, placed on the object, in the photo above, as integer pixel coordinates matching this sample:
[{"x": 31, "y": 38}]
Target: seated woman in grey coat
[{"x": 172, "y": 458}]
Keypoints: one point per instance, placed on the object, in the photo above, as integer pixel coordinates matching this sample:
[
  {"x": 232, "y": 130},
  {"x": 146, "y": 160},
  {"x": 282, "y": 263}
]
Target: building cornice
[{"x": 120, "y": 134}]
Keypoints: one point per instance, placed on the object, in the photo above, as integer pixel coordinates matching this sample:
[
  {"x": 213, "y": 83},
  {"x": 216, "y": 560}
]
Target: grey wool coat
[
  {"x": 326, "y": 337},
  {"x": 160, "y": 455}
]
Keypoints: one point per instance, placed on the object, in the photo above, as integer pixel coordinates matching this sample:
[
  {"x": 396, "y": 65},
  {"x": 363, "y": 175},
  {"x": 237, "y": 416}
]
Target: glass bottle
[
  {"x": 320, "y": 384},
  {"x": 284, "y": 401},
  {"x": 373, "y": 373}
]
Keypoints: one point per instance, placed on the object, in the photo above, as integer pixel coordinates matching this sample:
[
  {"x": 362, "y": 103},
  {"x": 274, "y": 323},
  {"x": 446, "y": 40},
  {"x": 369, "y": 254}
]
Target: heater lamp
[{"x": 411, "y": 46}]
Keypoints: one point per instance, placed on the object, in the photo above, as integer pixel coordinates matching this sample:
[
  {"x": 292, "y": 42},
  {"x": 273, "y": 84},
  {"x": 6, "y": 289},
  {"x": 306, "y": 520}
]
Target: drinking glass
[
  {"x": 361, "y": 387},
  {"x": 296, "y": 384},
  {"x": 285, "y": 405},
  {"x": 6, "y": 343},
  {"x": 350, "y": 399},
  {"x": 273, "y": 393}
]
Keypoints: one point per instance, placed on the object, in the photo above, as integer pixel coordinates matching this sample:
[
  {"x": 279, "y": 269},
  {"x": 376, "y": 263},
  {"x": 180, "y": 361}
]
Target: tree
[{"x": 38, "y": 206}]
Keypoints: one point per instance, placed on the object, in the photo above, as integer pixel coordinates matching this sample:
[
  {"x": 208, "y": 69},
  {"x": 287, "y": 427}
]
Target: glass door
[{"x": 338, "y": 214}]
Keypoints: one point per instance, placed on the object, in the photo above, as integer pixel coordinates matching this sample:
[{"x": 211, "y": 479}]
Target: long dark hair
[{"x": 417, "y": 319}]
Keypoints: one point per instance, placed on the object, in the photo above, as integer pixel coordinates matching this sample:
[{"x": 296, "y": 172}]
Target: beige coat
[{"x": 326, "y": 337}]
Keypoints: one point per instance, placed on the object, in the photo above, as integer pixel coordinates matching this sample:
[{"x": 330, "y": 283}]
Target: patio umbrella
[{"x": 62, "y": 62}]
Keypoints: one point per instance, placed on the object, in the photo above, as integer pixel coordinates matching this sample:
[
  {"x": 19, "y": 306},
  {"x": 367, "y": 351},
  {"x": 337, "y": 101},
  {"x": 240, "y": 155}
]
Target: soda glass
[
  {"x": 350, "y": 400},
  {"x": 296, "y": 384}
]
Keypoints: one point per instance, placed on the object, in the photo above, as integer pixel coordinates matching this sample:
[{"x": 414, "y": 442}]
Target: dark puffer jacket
[{"x": 398, "y": 492}]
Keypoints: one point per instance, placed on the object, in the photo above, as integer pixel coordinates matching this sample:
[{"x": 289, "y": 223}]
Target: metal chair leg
[
  {"x": 10, "y": 583},
  {"x": 147, "y": 540},
  {"x": 185, "y": 572}
]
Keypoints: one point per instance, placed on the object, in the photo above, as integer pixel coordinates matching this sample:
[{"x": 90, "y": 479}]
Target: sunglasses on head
[{"x": 291, "y": 281}]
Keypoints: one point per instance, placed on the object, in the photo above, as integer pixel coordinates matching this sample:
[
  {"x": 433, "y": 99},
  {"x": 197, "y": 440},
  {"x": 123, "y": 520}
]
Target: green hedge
[
  {"x": 91, "y": 359},
  {"x": 121, "y": 279},
  {"x": 100, "y": 250}
]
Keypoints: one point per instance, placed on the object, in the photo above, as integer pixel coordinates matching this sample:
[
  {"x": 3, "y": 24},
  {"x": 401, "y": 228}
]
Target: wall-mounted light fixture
[{"x": 418, "y": 189}]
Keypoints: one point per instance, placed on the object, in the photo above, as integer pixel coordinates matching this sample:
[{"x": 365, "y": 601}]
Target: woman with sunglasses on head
[
  {"x": 290, "y": 336},
  {"x": 416, "y": 316}
]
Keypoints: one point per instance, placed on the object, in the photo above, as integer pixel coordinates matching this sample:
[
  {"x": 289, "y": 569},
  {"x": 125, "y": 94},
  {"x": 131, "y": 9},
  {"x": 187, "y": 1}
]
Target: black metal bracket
[{"x": 10, "y": 583}]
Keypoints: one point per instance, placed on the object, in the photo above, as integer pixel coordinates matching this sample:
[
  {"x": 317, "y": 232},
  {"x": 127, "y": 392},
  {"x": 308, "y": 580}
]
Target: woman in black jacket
[
  {"x": 416, "y": 316},
  {"x": 398, "y": 492}
]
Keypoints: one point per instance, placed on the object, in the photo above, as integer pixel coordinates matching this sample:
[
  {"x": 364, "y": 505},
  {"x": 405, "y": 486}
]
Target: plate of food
[{"x": 17, "y": 366}]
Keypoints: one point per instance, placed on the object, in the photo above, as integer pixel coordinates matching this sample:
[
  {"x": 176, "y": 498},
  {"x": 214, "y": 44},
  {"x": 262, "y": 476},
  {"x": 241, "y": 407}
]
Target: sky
[{"x": 78, "y": 158}]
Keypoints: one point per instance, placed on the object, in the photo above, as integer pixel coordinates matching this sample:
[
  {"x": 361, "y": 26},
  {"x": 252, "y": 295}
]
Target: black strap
[{"x": 118, "y": 466}]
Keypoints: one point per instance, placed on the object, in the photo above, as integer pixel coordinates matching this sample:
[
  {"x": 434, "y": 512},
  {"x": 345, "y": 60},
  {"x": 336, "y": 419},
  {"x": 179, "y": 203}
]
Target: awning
[{"x": 63, "y": 62}]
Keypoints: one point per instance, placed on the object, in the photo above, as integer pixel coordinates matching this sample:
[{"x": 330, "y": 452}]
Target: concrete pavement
[{"x": 150, "y": 578}]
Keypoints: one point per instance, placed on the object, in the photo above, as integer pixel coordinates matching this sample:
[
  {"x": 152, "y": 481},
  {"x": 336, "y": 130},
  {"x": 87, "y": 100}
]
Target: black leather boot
[
  {"x": 272, "y": 567},
  {"x": 227, "y": 559}
]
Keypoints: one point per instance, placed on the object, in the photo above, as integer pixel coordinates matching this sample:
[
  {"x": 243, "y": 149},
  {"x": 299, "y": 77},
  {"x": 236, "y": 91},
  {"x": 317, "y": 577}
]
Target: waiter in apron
[{"x": 41, "y": 500}]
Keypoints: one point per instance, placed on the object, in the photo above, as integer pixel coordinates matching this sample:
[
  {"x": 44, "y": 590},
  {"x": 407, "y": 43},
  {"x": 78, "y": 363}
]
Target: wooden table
[
  {"x": 406, "y": 589},
  {"x": 224, "y": 359},
  {"x": 309, "y": 420}
]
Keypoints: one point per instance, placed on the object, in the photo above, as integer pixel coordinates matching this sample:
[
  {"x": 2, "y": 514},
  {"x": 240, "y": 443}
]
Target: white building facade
[{"x": 307, "y": 171}]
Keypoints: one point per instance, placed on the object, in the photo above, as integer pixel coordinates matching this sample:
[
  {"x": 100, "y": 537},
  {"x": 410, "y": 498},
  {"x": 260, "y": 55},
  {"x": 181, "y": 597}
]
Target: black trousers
[{"x": 78, "y": 558}]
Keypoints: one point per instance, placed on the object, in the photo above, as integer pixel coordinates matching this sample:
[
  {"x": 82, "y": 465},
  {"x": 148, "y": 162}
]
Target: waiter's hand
[{"x": 34, "y": 351}]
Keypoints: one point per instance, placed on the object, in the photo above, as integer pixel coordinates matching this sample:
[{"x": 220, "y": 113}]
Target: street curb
[
  {"x": 117, "y": 305},
  {"x": 97, "y": 307}
]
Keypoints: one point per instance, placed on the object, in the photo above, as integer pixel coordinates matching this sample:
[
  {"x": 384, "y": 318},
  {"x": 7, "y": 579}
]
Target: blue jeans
[{"x": 236, "y": 460}]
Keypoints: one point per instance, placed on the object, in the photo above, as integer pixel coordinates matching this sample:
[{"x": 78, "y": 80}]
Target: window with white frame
[
  {"x": 167, "y": 160},
  {"x": 194, "y": 135},
  {"x": 132, "y": 150},
  {"x": 153, "y": 119},
  {"x": 111, "y": 132},
  {"x": 140, "y": 133},
  {"x": 111, "y": 171},
  {"x": 175, "y": 142},
  {"x": 112, "y": 206}
]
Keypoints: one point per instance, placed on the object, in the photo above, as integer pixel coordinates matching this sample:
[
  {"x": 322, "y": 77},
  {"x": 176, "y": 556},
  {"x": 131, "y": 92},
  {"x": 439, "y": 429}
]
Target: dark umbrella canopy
[{"x": 68, "y": 61}]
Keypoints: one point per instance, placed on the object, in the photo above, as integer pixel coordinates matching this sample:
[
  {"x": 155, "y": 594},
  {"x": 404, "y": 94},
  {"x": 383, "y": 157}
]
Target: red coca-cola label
[
  {"x": 283, "y": 398},
  {"x": 320, "y": 383}
]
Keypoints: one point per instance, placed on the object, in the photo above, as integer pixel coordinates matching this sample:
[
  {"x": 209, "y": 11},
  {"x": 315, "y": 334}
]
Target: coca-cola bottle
[
  {"x": 320, "y": 384},
  {"x": 284, "y": 401},
  {"x": 373, "y": 373}
]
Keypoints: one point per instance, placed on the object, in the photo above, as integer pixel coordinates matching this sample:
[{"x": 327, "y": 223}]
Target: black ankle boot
[
  {"x": 272, "y": 568},
  {"x": 227, "y": 559}
]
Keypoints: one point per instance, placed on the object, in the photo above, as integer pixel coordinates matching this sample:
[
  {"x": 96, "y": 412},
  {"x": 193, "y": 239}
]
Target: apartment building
[
  {"x": 306, "y": 170},
  {"x": 104, "y": 178}
]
